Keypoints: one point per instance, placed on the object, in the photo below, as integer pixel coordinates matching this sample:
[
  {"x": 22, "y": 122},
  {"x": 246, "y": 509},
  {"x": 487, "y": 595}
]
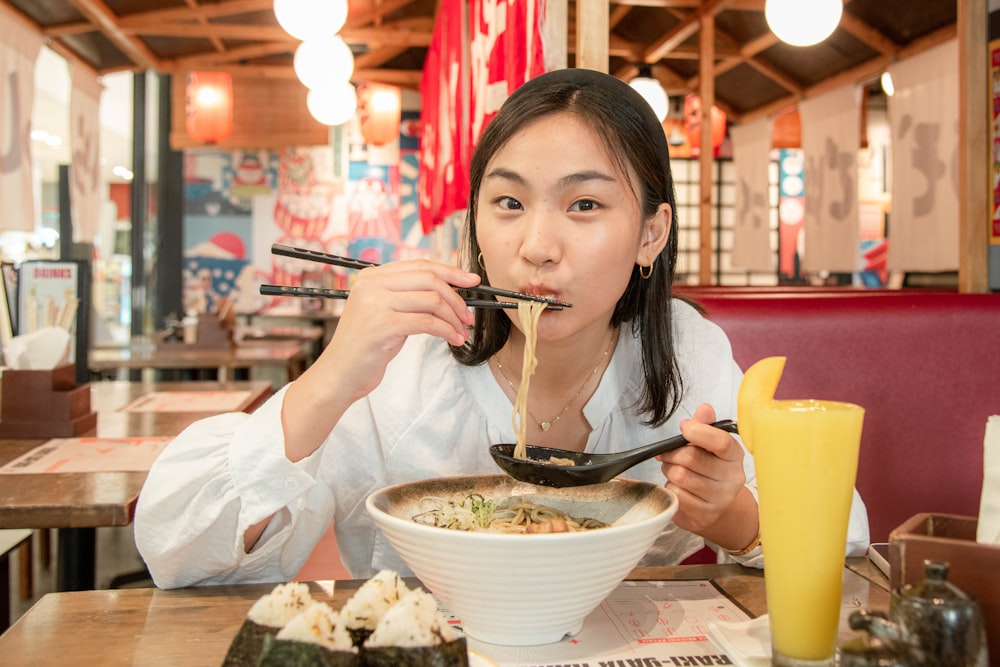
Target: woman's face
[{"x": 556, "y": 218}]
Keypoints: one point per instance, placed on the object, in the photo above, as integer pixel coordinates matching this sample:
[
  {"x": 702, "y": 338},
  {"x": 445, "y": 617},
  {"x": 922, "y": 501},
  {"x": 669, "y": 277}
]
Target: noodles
[
  {"x": 514, "y": 515},
  {"x": 528, "y": 314}
]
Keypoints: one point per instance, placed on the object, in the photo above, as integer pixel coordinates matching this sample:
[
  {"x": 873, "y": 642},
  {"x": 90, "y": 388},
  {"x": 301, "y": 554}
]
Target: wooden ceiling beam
[
  {"x": 867, "y": 71},
  {"x": 743, "y": 55},
  {"x": 106, "y": 21},
  {"x": 202, "y": 20},
  {"x": 399, "y": 77},
  {"x": 617, "y": 47},
  {"x": 203, "y": 60},
  {"x": 618, "y": 13},
  {"x": 223, "y": 31},
  {"x": 869, "y": 35},
  {"x": 776, "y": 76},
  {"x": 71, "y": 55},
  {"x": 67, "y": 29},
  {"x": 409, "y": 35},
  {"x": 235, "y": 69},
  {"x": 689, "y": 4},
  {"x": 376, "y": 57},
  {"x": 187, "y": 14},
  {"x": 377, "y": 13},
  {"x": 684, "y": 30}
]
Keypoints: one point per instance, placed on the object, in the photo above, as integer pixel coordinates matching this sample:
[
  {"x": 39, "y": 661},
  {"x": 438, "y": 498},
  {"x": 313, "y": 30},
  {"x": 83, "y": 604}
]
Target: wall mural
[{"x": 360, "y": 201}]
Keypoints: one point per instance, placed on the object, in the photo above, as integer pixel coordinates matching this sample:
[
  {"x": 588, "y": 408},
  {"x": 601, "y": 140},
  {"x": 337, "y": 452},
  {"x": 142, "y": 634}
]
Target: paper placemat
[
  {"x": 640, "y": 623},
  {"x": 89, "y": 455},
  {"x": 188, "y": 401}
]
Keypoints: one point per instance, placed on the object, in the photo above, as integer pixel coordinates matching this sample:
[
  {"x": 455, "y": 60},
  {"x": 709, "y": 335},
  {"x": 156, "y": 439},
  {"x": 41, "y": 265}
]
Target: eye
[
  {"x": 584, "y": 205},
  {"x": 509, "y": 203}
]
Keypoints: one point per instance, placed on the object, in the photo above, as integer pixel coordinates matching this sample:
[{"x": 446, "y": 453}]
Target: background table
[
  {"x": 195, "y": 625},
  {"x": 108, "y": 398},
  {"x": 292, "y": 355},
  {"x": 77, "y": 503}
]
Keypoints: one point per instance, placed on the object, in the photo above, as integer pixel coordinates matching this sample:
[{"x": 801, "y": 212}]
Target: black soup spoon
[{"x": 586, "y": 468}]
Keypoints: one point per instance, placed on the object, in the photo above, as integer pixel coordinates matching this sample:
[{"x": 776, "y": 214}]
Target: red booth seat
[{"x": 925, "y": 365}]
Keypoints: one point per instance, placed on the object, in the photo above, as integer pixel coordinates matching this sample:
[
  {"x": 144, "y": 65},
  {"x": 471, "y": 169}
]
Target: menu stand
[{"x": 45, "y": 404}]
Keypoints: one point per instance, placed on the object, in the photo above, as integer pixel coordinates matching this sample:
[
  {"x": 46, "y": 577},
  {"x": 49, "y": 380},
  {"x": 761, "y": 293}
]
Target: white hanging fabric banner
[
  {"x": 20, "y": 43},
  {"x": 831, "y": 136},
  {"x": 84, "y": 170},
  {"x": 923, "y": 115},
  {"x": 752, "y": 229}
]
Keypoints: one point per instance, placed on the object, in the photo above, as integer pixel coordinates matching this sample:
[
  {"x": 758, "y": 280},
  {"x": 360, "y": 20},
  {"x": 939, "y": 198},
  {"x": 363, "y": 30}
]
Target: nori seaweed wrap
[
  {"x": 266, "y": 617},
  {"x": 450, "y": 654},
  {"x": 314, "y": 637},
  {"x": 291, "y": 653},
  {"x": 414, "y": 633}
]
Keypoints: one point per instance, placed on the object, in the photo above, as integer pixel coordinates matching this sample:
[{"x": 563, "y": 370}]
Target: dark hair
[{"x": 634, "y": 138}]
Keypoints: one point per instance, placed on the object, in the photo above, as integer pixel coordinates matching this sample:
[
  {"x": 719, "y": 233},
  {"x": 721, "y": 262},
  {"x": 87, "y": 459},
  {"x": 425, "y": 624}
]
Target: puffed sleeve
[{"x": 220, "y": 476}]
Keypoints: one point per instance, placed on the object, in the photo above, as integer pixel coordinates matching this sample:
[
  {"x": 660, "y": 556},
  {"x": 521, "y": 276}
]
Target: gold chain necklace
[{"x": 547, "y": 424}]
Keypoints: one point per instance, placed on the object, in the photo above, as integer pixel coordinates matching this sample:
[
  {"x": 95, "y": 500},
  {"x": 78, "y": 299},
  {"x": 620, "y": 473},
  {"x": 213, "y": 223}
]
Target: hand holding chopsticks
[{"x": 347, "y": 262}]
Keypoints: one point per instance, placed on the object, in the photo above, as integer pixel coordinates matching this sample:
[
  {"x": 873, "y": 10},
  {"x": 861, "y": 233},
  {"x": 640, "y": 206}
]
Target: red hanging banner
[{"x": 462, "y": 92}]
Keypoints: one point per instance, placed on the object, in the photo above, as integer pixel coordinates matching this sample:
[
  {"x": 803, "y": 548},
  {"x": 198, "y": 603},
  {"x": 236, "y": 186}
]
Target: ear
[{"x": 655, "y": 232}]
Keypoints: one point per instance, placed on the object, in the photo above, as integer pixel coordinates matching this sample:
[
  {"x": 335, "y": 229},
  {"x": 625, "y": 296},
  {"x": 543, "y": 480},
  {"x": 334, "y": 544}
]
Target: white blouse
[{"x": 430, "y": 417}]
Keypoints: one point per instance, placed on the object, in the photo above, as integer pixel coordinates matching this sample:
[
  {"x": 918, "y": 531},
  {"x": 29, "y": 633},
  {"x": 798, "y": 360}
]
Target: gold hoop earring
[
  {"x": 646, "y": 272},
  {"x": 480, "y": 261}
]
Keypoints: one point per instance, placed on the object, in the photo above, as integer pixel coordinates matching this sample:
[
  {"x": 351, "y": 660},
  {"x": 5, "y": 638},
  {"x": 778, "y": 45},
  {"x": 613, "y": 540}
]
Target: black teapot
[{"x": 931, "y": 622}]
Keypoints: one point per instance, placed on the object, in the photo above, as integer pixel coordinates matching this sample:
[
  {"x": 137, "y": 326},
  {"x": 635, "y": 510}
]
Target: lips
[{"x": 540, "y": 290}]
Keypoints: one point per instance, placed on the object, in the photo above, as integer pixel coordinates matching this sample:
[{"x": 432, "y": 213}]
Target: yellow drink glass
[{"x": 806, "y": 456}]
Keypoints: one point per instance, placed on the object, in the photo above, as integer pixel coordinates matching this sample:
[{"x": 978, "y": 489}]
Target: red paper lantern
[
  {"x": 209, "y": 106},
  {"x": 379, "y": 110},
  {"x": 693, "y": 117}
]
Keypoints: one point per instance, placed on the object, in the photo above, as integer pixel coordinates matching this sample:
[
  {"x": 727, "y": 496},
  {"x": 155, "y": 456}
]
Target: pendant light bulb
[
  {"x": 803, "y": 23},
  {"x": 653, "y": 93}
]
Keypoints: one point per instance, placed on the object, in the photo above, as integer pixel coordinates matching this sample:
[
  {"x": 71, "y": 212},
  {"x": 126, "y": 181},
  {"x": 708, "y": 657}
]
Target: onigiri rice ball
[{"x": 362, "y": 612}]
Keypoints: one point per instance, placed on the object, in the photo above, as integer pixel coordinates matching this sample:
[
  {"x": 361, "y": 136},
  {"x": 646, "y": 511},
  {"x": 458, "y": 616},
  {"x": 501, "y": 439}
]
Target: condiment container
[
  {"x": 940, "y": 619},
  {"x": 930, "y": 623},
  {"x": 881, "y": 646},
  {"x": 190, "y": 324}
]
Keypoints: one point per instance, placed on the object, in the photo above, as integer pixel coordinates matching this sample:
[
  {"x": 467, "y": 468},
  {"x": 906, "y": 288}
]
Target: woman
[{"x": 571, "y": 197}]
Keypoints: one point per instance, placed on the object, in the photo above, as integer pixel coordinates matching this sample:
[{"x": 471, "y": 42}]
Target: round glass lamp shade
[
  {"x": 323, "y": 61},
  {"x": 652, "y": 92},
  {"x": 803, "y": 23},
  {"x": 305, "y": 19},
  {"x": 333, "y": 105}
]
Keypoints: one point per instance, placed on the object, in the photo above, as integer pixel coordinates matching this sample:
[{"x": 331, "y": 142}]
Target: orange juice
[{"x": 806, "y": 456}]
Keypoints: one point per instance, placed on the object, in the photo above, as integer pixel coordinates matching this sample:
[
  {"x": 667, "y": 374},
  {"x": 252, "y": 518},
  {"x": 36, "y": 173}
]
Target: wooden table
[
  {"x": 108, "y": 398},
  {"x": 78, "y": 503},
  {"x": 195, "y": 625},
  {"x": 292, "y": 355}
]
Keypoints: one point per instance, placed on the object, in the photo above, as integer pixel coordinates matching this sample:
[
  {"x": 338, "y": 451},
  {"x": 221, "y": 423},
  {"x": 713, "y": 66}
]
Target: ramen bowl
[{"x": 524, "y": 589}]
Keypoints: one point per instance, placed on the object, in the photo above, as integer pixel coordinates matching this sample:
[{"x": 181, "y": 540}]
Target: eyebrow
[{"x": 569, "y": 179}]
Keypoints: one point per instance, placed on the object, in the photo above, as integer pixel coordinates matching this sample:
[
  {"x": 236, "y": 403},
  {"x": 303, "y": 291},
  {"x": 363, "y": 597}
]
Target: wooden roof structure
[
  {"x": 721, "y": 49},
  {"x": 753, "y": 71}
]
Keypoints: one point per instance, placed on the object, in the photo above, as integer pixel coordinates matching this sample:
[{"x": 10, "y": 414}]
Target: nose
[{"x": 540, "y": 243}]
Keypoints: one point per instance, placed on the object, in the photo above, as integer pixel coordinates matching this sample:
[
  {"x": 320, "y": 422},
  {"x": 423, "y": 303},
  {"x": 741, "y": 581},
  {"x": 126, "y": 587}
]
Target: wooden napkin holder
[
  {"x": 45, "y": 404},
  {"x": 973, "y": 567}
]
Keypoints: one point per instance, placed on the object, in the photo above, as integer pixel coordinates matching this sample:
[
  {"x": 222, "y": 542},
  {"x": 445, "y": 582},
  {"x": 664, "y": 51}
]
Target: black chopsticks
[
  {"x": 347, "y": 262},
  {"x": 322, "y": 293}
]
